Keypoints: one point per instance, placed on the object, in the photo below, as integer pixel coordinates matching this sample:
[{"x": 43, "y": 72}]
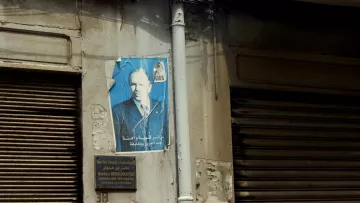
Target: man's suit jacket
[{"x": 135, "y": 133}]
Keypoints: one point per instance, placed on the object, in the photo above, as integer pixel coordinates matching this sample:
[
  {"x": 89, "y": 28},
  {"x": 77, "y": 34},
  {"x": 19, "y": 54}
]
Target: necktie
[{"x": 145, "y": 110}]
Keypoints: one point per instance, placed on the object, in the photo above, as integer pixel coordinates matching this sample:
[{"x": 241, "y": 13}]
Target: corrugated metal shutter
[
  {"x": 40, "y": 140},
  {"x": 295, "y": 147}
]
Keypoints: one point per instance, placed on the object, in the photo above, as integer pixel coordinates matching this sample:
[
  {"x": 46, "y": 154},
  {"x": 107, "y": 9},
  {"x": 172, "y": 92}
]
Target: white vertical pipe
[{"x": 181, "y": 104}]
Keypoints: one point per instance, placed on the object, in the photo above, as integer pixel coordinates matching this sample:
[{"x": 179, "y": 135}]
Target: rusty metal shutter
[
  {"x": 40, "y": 140},
  {"x": 295, "y": 147}
]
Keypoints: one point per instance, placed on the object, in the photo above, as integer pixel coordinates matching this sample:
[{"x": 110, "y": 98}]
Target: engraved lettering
[{"x": 116, "y": 172}]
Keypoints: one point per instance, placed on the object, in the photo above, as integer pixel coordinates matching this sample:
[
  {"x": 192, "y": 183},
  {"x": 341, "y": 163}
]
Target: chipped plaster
[{"x": 214, "y": 181}]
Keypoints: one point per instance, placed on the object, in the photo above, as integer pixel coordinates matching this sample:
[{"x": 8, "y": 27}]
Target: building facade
[{"x": 253, "y": 69}]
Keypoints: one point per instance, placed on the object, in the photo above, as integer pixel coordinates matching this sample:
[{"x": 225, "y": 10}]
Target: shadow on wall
[
  {"x": 199, "y": 30},
  {"x": 152, "y": 17},
  {"x": 278, "y": 25},
  {"x": 283, "y": 25}
]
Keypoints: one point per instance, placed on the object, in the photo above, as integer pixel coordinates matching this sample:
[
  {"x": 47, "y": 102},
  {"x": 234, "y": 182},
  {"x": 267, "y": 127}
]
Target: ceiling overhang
[{"x": 352, "y": 3}]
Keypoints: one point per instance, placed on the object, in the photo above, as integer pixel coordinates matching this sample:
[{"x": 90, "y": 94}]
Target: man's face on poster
[{"x": 140, "y": 86}]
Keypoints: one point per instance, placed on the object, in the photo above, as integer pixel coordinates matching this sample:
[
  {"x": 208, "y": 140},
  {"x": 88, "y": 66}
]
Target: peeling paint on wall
[
  {"x": 100, "y": 121},
  {"x": 213, "y": 199},
  {"x": 214, "y": 181},
  {"x": 98, "y": 112}
]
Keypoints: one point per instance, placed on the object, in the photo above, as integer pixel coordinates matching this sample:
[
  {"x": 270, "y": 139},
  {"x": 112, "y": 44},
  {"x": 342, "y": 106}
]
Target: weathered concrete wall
[
  {"x": 110, "y": 31},
  {"x": 210, "y": 124},
  {"x": 104, "y": 31}
]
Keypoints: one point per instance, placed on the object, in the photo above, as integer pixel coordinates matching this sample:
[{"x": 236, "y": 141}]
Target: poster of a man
[{"x": 139, "y": 105}]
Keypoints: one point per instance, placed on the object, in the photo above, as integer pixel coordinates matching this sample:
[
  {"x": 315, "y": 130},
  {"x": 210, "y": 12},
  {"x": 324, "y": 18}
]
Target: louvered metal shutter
[
  {"x": 40, "y": 144},
  {"x": 295, "y": 147}
]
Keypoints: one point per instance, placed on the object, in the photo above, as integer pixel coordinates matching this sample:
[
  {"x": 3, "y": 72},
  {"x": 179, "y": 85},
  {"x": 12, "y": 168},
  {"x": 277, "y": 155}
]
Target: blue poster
[{"x": 139, "y": 100}]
